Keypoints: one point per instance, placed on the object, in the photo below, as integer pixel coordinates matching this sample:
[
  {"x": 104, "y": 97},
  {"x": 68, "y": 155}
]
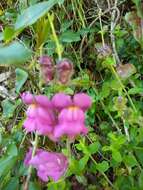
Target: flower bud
[
  {"x": 103, "y": 51},
  {"x": 126, "y": 71},
  {"x": 47, "y": 68},
  {"x": 64, "y": 70}
]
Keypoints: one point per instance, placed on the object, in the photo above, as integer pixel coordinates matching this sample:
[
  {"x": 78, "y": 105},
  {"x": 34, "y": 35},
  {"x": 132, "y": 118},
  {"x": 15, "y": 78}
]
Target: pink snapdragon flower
[
  {"x": 40, "y": 116},
  {"x": 71, "y": 119},
  {"x": 48, "y": 164}
]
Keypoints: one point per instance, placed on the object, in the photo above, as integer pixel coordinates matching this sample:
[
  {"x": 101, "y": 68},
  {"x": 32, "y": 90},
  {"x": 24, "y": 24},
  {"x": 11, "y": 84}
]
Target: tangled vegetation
[{"x": 71, "y": 93}]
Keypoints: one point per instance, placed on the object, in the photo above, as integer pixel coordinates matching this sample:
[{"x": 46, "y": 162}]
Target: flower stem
[
  {"x": 30, "y": 167},
  {"x": 68, "y": 143},
  {"x": 58, "y": 45},
  {"x": 104, "y": 175},
  {"x": 106, "y": 111},
  {"x": 123, "y": 87},
  {"x": 23, "y": 139}
]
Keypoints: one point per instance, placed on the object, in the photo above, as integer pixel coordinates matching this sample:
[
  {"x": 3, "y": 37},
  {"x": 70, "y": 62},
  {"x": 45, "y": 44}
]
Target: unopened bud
[
  {"x": 64, "y": 70},
  {"x": 126, "y": 71},
  {"x": 103, "y": 51},
  {"x": 47, "y": 68}
]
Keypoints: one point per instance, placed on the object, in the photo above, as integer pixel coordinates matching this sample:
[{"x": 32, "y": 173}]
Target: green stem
[
  {"x": 30, "y": 167},
  {"x": 68, "y": 143},
  {"x": 58, "y": 45},
  {"x": 102, "y": 35},
  {"x": 78, "y": 62},
  {"x": 23, "y": 139},
  {"x": 121, "y": 84},
  {"x": 110, "y": 116},
  {"x": 104, "y": 175}
]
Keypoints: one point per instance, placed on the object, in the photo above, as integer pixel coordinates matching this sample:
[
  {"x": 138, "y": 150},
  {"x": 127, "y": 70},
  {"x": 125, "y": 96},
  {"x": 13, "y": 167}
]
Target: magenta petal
[
  {"x": 43, "y": 128},
  {"x": 71, "y": 123},
  {"x": 61, "y": 100},
  {"x": 31, "y": 111},
  {"x": 28, "y": 157},
  {"x": 47, "y": 115},
  {"x": 49, "y": 164},
  {"x": 59, "y": 131},
  {"x": 70, "y": 129},
  {"x": 71, "y": 115},
  {"x": 52, "y": 137},
  {"x": 29, "y": 125},
  {"x": 42, "y": 175},
  {"x": 28, "y": 98},
  {"x": 43, "y": 101},
  {"x": 82, "y": 100}
]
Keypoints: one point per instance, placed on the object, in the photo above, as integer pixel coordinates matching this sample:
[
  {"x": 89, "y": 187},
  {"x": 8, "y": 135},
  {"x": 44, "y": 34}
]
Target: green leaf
[
  {"x": 21, "y": 77},
  {"x": 81, "y": 179},
  {"x": 103, "y": 166},
  {"x": 139, "y": 154},
  {"x": 56, "y": 186},
  {"x": 94, "y": 147},
  {"x": 135, "y": 90},
  {"x": 85, "y": 31},
  {"x": 33, "y": 13},
  {"x": 6, "y": 164},
  {"x": 82, "y": 147},
  {"x": 70, "y": 36},
  {"x": 60, "y": 2},
  {"x": 65, "y": 25},
  {"x": 8, "y": 33},
  {"x": 124, "y": 183},
  {"x": 8, "y": 108},
  {"x": 34, "y": 186},
  {"x": 0, "y": 136},
  {"x": 109, "y": 61},
  {"x": 82, "y": 162},
  {"x": 12, "y": 150},
  {"x": 12, "y": 184},
  {"x": 140, "y": 179},
  {"x": 105, "y": 90},
  {"x": 130, "y": 160},
  {"x": 116, "y": 156},
  {"x": 14, "y": 54}
]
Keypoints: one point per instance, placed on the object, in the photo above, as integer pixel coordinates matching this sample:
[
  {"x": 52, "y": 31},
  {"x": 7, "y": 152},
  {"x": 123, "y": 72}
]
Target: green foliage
[
  {"x": 21, "y": 77},
  {"x": 14, "y": 54},
  {"x": 70, "y": 36},
  {"x": 107, "y": 66},
  {"x": 9, "y": 107},
  {"x": 33, "y": 13}
]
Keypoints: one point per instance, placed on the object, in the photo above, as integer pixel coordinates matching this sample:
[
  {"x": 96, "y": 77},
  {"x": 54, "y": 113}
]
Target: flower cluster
[
  {"x": 61, "y": 72},
  {"x": 63, "y": 115},
  {"x": 48, "y": 164}
]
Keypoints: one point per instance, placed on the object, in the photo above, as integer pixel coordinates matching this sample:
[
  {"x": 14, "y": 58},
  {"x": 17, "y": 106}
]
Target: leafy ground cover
[{"x": 71, "y": 93}]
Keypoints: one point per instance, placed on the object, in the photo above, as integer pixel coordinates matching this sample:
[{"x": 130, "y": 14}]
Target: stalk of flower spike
[{"x": 30, "y": 166}]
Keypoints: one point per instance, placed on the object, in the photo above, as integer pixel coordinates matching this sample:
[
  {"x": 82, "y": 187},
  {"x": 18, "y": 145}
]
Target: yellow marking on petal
[
  {"x": 72, "y": 108},
  {"x": 33, "y": 106}
]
